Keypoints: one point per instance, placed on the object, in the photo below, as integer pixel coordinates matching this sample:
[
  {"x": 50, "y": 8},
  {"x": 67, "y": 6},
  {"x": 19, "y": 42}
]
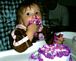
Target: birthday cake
[{"x": 54, "y": 52}]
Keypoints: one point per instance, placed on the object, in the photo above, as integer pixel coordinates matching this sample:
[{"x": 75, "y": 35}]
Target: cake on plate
[
  {"x": 54, "y": 52},
  {"x": 57, "y": 51}
]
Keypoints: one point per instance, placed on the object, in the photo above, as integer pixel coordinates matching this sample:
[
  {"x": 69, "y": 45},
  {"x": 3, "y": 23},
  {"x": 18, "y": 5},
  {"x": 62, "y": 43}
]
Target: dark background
[{"x": 71, "y": 5}]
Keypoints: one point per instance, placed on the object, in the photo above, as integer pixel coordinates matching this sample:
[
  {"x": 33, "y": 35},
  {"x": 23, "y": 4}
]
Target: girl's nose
[{"x": 35, "y": 16}]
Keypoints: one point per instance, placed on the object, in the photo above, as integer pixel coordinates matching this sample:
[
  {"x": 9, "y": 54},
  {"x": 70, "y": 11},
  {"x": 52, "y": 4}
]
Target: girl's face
[{"x": 31, "y": 13}]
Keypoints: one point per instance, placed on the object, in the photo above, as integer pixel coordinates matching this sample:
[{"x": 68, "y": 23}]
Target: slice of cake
[{"x": 54, "y": 52}]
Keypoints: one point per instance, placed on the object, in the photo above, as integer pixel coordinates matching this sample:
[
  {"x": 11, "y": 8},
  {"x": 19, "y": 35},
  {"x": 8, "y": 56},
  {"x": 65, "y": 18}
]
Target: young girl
[{"x": 29, "y": 23}]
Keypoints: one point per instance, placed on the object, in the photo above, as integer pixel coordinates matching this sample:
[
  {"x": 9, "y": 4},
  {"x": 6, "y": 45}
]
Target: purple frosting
[
  {"x": 37, "y": 21},
  {"x": 51, "y": 51},
  {"x": 58, "y": 53},
  {"x": 40, "y": 59}
]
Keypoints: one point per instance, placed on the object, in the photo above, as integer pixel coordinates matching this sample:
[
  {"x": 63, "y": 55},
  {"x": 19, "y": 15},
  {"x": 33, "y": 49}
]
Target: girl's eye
[
  {"x": 37, "y": 13},
  {"x": 27, "y": 14}
]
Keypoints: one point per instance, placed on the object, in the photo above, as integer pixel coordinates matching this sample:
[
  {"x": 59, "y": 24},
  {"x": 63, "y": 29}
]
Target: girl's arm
[{"x": 23, "y": 37}]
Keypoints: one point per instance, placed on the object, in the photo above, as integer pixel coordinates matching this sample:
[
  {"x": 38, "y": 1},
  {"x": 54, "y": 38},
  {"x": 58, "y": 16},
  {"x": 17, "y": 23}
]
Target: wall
[{"x": 68, "y": 2}]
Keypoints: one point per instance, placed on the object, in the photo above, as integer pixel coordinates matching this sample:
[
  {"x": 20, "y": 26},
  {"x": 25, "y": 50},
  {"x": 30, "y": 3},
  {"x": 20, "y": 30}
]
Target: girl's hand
[
  {"x": 31, "y": 30},
  {"x": 60, "y": 39}
]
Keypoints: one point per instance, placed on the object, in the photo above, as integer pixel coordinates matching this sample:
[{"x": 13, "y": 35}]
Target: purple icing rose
[
  {"x": 40, "y": 59},
  {"x": 33, "y": 56},
  {"x": 41, "y": 51},
  {"x": 50, "y": 56},
  {"x": 59, "y": 54}
]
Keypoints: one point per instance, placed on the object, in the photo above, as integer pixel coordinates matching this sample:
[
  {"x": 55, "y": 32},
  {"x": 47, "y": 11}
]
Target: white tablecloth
[{"x": 31, "y": 49}]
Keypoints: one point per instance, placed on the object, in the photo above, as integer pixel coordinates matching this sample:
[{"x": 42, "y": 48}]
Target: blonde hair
[{"x": 22, "y": 8}]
